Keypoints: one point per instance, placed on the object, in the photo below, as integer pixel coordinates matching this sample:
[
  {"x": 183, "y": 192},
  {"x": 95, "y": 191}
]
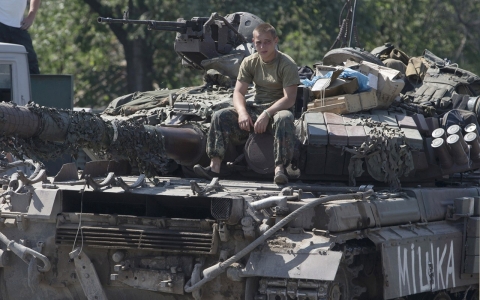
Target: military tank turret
[{"x": 383, "y": 203}]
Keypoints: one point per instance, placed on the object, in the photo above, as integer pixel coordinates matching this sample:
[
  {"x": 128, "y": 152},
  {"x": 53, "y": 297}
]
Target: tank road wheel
[
  {"x": 343, "y": 287},
  {"x": 340, "y": 288},
  {"x": 335, "y": 292}
]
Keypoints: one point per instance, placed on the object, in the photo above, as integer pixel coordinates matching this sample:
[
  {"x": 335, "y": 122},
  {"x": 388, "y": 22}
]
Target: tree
[
  {"x": 68, "y": 40},
  {"x": 135, "y": 43},
  {"x": 447, "y": 28},
  {"x": 112, "y": 60},
  {"x": 150, "y": 58}
]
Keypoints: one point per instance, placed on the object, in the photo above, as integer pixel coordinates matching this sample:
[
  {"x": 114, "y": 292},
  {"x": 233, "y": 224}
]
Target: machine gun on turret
[
  {"x": 196, "y": 24},
  {"x": 204, "y": 38}
]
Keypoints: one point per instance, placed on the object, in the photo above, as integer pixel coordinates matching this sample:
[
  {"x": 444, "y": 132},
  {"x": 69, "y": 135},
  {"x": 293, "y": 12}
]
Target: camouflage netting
[
  {"x": 131, "y": 103},
  {"x": 386, "y": 155},
  {"x": 38, "y": 147},
  {"x": 195, "y": 105},
  {"x": 216, "y": 88},
  {"x": 35, "y": 149},
  {"x": 141, "y": 145}
]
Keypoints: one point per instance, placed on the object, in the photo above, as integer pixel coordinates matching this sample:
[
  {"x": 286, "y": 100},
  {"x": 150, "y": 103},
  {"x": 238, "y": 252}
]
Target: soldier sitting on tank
[{"x": 276, "y": 79}]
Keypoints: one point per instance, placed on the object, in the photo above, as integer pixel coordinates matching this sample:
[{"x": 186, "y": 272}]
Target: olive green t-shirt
[{"x": 269, "y": 78}]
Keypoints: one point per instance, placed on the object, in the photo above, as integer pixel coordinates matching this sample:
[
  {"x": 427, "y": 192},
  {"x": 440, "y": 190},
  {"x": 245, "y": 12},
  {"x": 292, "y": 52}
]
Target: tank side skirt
[{"x": 420, "y": 259}]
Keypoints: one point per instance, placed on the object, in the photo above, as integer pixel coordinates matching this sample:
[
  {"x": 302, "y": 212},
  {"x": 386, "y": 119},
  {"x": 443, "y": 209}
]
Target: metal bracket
[
  {"x": 196, "y": 277},
  {"x": 364, "y": 188},
  {"x": 166, "y": 281},
  {"x": 41, "y": 176},
  {"x": 212, "y": 186},
  {"x": 138, "y": 183},
  {"x": 256, "y": 215},
  {"x": 23, "y": 252},
  {"x": 22, "y": 222},
  {"x": 87, "y": 275},
  {"x": 98, "y": 185}
]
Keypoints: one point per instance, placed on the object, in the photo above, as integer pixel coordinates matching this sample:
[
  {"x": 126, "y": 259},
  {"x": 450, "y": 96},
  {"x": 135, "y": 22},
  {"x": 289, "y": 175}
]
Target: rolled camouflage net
[
  {"x": 45, "y": 133},
  {"x": 386, "y": 155}
]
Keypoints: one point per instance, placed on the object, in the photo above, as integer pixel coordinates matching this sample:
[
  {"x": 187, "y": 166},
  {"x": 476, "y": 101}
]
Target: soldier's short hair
[{"x": 266, "y": 27}]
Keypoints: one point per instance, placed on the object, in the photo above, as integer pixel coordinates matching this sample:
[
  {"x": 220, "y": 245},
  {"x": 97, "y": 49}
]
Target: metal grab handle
[
  {"x": 22, "y": 252},
  {"x": 138, "y": 183},
  {"x": 98, "y": 185},
  {"x": 41, "y": 175}
]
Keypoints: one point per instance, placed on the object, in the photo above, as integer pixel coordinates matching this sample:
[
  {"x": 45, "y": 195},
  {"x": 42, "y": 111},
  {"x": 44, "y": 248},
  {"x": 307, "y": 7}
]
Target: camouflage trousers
[{"x": 225, "y": 130}]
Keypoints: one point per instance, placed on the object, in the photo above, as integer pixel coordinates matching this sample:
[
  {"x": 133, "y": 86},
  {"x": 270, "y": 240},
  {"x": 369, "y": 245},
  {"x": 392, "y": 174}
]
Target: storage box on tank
[{"x": 344, "y": 104}]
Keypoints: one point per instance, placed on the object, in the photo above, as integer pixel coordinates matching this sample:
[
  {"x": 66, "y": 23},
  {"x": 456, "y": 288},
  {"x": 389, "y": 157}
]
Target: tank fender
[
  {"x": 433, "y": 202},
  {"x": 295, "y": 255}
]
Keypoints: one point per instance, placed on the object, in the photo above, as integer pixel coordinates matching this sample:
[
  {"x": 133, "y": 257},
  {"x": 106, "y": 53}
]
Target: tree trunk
[
  {"x": 139, "y": 65},
  {"x": 138, "y": 55}
]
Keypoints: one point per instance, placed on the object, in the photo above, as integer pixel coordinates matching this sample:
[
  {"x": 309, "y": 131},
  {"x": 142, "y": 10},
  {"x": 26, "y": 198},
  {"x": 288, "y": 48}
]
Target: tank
[{"x": 382, "y": 203}]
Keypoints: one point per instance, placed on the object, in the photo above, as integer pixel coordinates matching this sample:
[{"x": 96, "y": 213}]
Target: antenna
[{"x": 348, "y": 30}]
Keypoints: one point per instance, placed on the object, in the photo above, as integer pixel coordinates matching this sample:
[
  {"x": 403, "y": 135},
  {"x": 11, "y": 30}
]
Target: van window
[{"x": 5, "y": 82}]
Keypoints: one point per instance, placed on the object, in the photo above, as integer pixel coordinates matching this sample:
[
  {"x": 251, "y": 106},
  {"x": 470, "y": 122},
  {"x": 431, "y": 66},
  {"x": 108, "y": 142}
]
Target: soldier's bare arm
[
  {"x": 287, "y": 101},
  {"x": 244, "y": 119},
  {"x": 32, "y": 12}
]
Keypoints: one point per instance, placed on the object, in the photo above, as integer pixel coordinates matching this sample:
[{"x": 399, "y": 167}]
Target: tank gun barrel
[{"x": 39, "y": 129}]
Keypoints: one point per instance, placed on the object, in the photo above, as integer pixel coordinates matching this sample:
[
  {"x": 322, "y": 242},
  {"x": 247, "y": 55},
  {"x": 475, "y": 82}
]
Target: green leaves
[{"x": 68, "y": 39}]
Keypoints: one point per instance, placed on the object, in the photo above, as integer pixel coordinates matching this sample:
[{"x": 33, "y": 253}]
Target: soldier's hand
[
  {"x": 27, "y": 22},
  {"x": 244, "y": 121},
  {"x": 261, "y": 123}
]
